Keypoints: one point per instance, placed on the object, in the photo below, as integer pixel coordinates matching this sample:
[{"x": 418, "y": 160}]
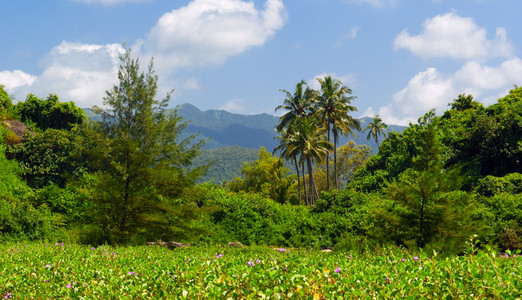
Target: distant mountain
[
  {"x": 249, "y": 131},
  {"x": 228, "y": 129}
]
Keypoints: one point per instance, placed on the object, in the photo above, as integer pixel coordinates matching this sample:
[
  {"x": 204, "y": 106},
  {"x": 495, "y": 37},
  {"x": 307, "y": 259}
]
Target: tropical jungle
[{"x": 435, "y": 211}]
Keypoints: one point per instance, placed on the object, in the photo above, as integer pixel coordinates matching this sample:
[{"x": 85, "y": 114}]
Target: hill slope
[{"x": 250, "y": 131}]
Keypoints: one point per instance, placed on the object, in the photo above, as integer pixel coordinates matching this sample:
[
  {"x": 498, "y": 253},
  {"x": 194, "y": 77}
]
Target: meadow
[{"x": 58, "y": 270}]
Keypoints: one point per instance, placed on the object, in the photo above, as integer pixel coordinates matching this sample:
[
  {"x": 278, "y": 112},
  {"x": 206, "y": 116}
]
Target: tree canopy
[{"x": 141, "y": 164}]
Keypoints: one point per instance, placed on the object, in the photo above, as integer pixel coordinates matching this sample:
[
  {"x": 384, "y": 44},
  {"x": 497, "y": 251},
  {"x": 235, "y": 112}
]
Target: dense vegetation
[
  {"x": 69, "y": 271},
  {"x": 130, "y": 177}
]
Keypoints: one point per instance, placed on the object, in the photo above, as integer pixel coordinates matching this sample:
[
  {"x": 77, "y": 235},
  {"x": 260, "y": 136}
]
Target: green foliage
[
  {"x": 49, "y": 157},
  {"x": 225, "y": 163},
  {"x": 266, "y": 176},
  {"x": 427, "y": 205},
  {"x": 6, "y": 104},
  {"x": 486, "y": 141},
  {"x": 350, "y": 158},
  {"x": 505, "y": 219},
  {"x": 141, "y": 165},
  {"x": 50, "y": 113},
  {"x": 18, "y": 217},
  {"x": 65, "y": 202},
  {"x": 69, "y": 271},
  {"x": 376, "y": 128},
  {"x": 491, "y": 185}
]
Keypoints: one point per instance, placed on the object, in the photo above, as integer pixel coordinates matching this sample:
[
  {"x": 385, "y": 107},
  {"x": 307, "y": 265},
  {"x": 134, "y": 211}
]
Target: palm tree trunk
[
  {"x": 335, "y": 163},
  {"x": 328, "y": 157},
  {"x": 304, "y": 184},
  {"x": 316, "y": 191},
  {"x": 310, "y": 179},
  {"x": 298, "y": 179}
]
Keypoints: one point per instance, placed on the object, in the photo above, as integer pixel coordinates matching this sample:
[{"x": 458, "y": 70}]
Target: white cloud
[
  {"x": 234, "y": 106},
  {"x": 76, "y": 72},
  {"x": 348, "y": 80},
  {"x": 210, "y": 31},
  {"x": 432, "y": 89},
  {"x": 452, "y": 36},
  {"x": 12, "y": 80},
  {"x": 474, "y": 75}
]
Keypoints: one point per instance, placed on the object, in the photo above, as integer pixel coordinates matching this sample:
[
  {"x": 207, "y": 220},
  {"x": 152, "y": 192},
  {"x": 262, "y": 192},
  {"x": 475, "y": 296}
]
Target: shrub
[{"x": 491, "y": 185}]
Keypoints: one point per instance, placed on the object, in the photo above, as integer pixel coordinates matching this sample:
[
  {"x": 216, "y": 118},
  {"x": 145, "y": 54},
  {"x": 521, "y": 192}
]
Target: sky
[{"x": 400, "y": 58}]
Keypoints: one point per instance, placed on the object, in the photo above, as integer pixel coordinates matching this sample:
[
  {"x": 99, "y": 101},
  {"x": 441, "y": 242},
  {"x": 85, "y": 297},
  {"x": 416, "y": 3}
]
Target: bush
[
  {"x": 252, "y": 219},
  {"x": 506, "y": 210},
  {"x": 491, "y": 185}
]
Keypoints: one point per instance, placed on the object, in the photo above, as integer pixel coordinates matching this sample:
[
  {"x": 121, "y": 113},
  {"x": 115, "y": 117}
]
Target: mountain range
[{"x": 250, "y": 131}]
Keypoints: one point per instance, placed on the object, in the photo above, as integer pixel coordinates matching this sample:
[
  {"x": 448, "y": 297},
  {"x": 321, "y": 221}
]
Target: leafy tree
[
  {"x": 266, "y": 176},
  {"x": 376, "y": 128},
  {"x": 50, "y": 113},
  {"x": 463, "y": 102},
  {"x": 142, "y": 167},
  {"x": 351, "y": 157},
  {"x": 49, "y": 157},
  {"x": 428, "y": 205},
  {"x": 5, "y": 102},
  {"x": 486, "y": 141},
  {"x": 332, "y": 106}
]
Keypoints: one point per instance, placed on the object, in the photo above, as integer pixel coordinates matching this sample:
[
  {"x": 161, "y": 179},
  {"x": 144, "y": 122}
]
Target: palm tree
[
  {"x": 309, "y": 141},
  {"x": 289, "y": 151},
  {"x": 376, "y": 128},
  {"x": 332, "y": 105},
  {"x": 297, "y": 105}
]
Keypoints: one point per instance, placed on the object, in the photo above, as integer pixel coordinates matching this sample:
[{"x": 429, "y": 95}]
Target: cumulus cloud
[
  {"x": 453, "y": 36},
  {"x": 433, "y": 89},
  {"x": 76, "y": 72},
  {"x": 348, "y": 79},
  {"x": 12, "y": 80},
  {"x": 208, "y": 32}
]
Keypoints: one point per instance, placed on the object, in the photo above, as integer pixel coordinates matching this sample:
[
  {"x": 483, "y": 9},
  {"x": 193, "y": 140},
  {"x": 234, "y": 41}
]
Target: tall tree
[
  {"x": 142, "y": 165},
  {"x": 287, "y": 151},
  {"x": 376, "y": 128},
  {"x": 297, "y": 106},
  {"x": 309, "y": 141},
  {"x": 332, "y": 105}
]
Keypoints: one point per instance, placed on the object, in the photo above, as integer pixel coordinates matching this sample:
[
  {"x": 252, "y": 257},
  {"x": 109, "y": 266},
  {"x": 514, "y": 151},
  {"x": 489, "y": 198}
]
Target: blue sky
[{"x": 400, "y": 57}]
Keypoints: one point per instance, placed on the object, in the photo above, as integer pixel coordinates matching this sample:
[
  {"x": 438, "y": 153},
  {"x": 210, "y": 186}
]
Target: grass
[{"x": 53, "y": 271}]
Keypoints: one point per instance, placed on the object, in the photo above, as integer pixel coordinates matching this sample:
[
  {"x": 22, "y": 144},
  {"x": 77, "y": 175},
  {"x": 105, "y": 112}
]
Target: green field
[{"x": 54, "y": 271}]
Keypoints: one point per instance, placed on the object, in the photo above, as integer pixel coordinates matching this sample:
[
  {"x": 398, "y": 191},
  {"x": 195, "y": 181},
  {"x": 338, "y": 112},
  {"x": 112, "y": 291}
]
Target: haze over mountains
[{"x": 233, "y": 139}]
